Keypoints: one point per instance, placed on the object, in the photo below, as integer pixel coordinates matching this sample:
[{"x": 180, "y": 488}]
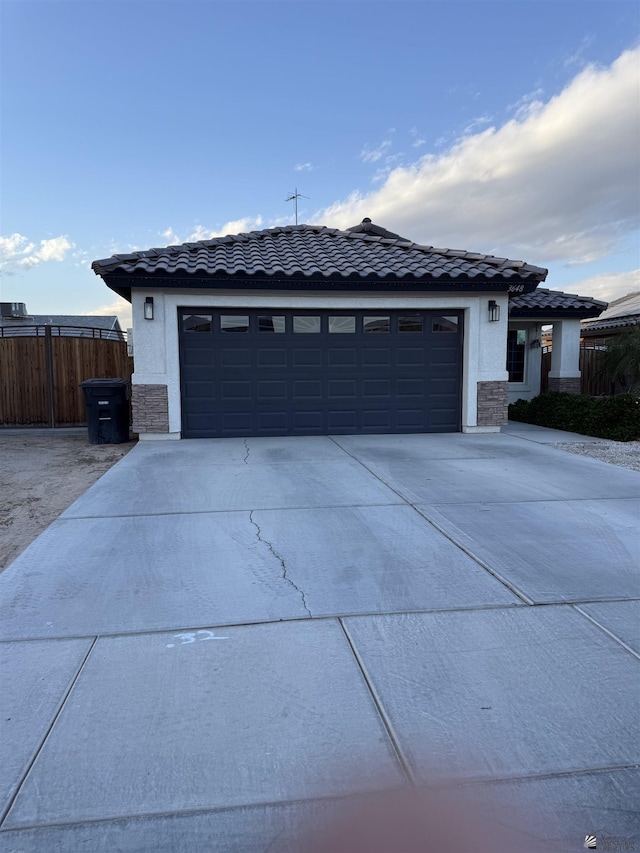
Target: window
[
  {"x": 516, "y": 346},
  {"x": 197, "y": 322},
  {"x": 445, "y": 324},
  {"x": 233, "y": 323},
  {"x": 377, "y": 325},
  {"x": 342, "y": 325},
  {"x": 271, "y": 323},
  {"x": 409, "y": 324},
  {"x": 306, "y": 325}
]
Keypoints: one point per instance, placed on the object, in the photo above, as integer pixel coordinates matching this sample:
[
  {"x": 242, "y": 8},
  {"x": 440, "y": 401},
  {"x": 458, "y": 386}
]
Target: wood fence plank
[{"x": 23, "y": 376}]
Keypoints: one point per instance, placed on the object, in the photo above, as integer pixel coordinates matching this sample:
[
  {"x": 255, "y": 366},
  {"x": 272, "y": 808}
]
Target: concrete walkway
[{"x": 222, "y": 638}]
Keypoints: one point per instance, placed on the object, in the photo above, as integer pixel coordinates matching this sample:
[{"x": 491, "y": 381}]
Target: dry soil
[{"x": 41, "y": 474}]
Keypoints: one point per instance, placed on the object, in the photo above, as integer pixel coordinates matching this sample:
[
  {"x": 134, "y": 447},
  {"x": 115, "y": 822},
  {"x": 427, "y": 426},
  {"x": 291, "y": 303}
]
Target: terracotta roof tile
[
  {"x": 305, "y": 251},
  {"x": 554, "y": 303}
]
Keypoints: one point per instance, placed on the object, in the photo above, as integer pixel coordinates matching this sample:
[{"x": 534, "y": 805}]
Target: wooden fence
[
  {"x": 591, "y": 382},
  {"x": 40, "y": 373}
]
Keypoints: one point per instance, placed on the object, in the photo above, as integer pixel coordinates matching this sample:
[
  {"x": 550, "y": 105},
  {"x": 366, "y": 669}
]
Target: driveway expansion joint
[
  {"x": 280, "y": 559},
  {"x": 402, "y": 759},
  {"x": 606, "y": 631},
  {"x": 4, "y": 813},
  {"x": 443, "y": 532}
]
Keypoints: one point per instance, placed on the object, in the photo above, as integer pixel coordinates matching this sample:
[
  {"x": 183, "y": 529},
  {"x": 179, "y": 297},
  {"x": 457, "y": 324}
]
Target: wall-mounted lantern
[
  {"x": 494, "y": 311},
  {"x": 148, "y": 308}
]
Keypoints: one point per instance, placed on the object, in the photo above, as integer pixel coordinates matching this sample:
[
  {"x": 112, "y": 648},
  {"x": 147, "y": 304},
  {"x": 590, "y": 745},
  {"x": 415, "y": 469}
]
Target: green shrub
[{"x": 605, "y": 417}]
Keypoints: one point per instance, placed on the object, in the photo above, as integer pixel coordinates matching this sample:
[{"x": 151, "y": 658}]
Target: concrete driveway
[{"x": 222, "y": 638}]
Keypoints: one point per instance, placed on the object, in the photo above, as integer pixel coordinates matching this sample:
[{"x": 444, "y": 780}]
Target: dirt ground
[{"x": 41, "y": 474}]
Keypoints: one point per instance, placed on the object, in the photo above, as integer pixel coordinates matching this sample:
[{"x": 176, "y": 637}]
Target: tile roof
[
  {"x": 606, "y": 325},
  {"x": 554, "y": 303},
  {"x": 621, "y": 312},
  {"x": 366, "y": 251}
]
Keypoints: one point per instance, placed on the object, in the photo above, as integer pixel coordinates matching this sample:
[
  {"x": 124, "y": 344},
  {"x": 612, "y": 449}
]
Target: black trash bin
[{"x": 106, "y": 403}]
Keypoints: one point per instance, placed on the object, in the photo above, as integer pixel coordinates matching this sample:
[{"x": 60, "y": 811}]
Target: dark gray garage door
[{"x": 273, "y": 372}]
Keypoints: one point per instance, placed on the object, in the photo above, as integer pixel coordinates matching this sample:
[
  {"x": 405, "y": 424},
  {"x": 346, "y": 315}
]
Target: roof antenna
[{"x": 295, "y": 195}]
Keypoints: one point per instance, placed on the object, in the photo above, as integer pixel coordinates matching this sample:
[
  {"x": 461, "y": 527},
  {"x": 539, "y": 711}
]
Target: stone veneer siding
[
  {"x": 567, "y": 384},
  {"x": 150, "y": 407},
  {"x": 492, "y": 403}
]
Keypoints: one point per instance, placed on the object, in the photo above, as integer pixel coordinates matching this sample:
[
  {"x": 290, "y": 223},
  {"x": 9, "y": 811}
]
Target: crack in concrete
[
  {"x": 285, "y": 575},
  {"x": 246, "y": 447}
]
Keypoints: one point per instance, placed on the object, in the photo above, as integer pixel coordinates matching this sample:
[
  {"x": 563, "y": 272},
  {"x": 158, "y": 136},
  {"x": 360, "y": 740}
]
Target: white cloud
[
  {"x": 576, "y": 58},
  {"x": 303, "y": 167},
  {"x": 200, "y": 232},
  {"x": 476, "y": 124},
  {"x": 607, "y": 285},
  {"x": 372, "y": 155},
  {"x": 120, "y": 307},
  {"x": 18, "y": 253},
  {"x": 557, "y": 182}
]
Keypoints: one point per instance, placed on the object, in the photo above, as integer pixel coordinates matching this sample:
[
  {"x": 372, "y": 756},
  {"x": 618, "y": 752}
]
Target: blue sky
[{"x": 506, "y": 127}]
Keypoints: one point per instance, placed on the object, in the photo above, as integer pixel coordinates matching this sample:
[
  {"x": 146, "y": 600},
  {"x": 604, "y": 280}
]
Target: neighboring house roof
[
  {"x": 550, "y": 304},
  {"x": 365, "y": 253},
  {"x": 108, "y": 322},
  {"x": 621, "y": 313}
]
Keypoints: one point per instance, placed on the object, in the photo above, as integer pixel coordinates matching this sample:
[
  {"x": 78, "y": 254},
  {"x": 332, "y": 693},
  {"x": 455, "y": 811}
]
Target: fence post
[{"x": 48, "y": 357}]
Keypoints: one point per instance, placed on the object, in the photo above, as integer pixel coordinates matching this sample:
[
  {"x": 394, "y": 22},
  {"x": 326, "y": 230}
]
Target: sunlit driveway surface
[{"x": 221, "y": 638}]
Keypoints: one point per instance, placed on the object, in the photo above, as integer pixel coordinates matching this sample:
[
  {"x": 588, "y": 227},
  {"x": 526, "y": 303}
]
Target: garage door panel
[
  {"x": 276, "y": 357},
  {"x": 444, "y": 356},
  {"x": 376, "y": 388},
  {"x": 315, "y": 378},
  {"x": 204, "y": 422},
  {"x": 378, "y": 419},
  {"x": 376, "y": 356},
  {"x": 273, "y": 389},
  {"x": 311, "y": 420},
  {"x": 341, "y": 357},
  {"x": 307, "y": 389},
  {"x": 236, "y": 390},
  {"x": 411, "y": 419},
  {"x": 340, "y": 420},
  {"x": 410, "y": 387},
  {"x": 306, "y": 357},
  {"x": 337, "y": 388},
  {"x": 199, "y": 390},
  {"x": 198, "y": 356},
  {"x": 410, "y": 356},
  {"x": 236, "y": 421},
  {"x": 235, "y": 357},
  {"x": 273, "y": 422}
]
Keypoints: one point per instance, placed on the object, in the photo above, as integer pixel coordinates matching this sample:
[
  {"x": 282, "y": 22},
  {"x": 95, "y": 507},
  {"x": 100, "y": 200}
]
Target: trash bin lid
[{"x": 103, "y": 382}]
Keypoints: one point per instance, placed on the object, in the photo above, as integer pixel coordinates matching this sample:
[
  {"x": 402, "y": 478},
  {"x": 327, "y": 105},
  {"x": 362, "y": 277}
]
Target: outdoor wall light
[
  {"x": 494, "y": 311},
  {"x": 148, "y": 308}
]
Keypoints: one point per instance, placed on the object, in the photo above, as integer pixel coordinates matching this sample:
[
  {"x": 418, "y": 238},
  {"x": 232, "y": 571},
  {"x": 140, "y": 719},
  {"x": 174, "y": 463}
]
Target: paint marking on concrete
[{"x": 192, "y": 637}]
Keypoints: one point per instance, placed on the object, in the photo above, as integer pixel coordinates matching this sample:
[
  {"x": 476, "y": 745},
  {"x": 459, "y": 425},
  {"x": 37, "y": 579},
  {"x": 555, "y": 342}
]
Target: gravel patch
[
  {"x": 624, "y": 453},
  {"x": 41, "y": 474}
]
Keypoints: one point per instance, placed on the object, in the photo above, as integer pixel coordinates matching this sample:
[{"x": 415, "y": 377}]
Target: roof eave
[{"x": 122, "y": 284}]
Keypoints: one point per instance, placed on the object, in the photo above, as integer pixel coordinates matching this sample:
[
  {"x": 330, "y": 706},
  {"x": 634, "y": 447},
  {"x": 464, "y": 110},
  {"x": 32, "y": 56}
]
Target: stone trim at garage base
[
  {"x": 566, "y": 384},
  {"x": 150, "y": 408},
  {"x": 492, "y": 403}
]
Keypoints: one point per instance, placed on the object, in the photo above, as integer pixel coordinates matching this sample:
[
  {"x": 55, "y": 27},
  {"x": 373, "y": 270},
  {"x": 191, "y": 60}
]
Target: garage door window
[
  {"x": 342, "y": 325},
  {"x": 274, "y": 324},
  {"x": 306, "y": 325},
  {"x": 445, "y": 324},
  {"x": 376, "y": 325},
  {"x": 232, "y": 323},
  {"x": 409, "y": 324},
  {"x": 197, "y": 322}
]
